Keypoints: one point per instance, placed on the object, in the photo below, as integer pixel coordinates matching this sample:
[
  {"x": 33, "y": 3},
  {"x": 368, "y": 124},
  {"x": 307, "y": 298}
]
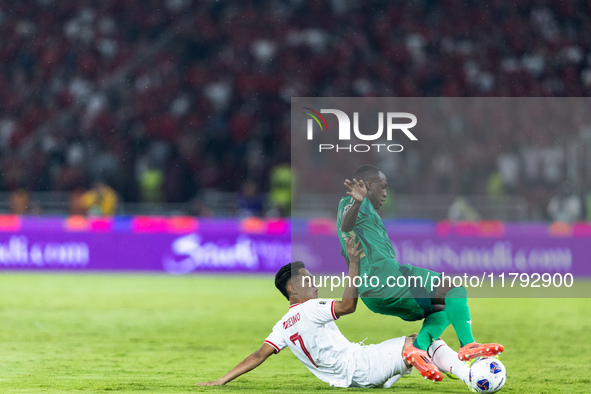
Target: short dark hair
[
  {"x": 284, "y": 275},
  {"x": 367, "y": 172}
]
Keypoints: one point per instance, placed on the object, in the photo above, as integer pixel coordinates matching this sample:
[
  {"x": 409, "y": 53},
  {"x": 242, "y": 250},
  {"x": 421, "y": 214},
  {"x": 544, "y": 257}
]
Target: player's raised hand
[
  {"x": 354, "y": 250},
  {"x": 357, "y": 190}
]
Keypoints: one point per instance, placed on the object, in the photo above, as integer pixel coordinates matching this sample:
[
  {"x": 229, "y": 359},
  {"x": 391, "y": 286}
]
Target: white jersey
[{"x": 308, "y": 329}]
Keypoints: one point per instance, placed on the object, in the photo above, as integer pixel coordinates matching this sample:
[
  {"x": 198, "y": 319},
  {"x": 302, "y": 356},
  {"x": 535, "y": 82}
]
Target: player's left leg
[
  {"x": 419, "y": 287},
  {"x": 433, "y": 327}
]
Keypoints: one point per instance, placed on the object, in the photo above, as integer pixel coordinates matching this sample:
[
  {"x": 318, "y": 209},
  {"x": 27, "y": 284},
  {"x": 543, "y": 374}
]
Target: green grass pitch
[{"x": 156, "y": 333}]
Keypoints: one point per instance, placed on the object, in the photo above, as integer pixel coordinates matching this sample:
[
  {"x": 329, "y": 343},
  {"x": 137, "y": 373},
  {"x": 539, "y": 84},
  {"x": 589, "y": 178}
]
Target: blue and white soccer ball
[{"x": 487, "y": 375}]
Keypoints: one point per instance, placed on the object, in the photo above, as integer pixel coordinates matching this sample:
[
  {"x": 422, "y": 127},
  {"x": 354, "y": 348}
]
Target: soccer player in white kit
[{"x": 308, "y": 329}]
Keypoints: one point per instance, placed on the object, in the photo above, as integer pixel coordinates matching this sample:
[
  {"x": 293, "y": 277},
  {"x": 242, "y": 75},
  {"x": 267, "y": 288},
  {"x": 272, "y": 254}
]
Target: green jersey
[
  {"x": 410, "y": 301},
  {"x": 378, "y": 257}
]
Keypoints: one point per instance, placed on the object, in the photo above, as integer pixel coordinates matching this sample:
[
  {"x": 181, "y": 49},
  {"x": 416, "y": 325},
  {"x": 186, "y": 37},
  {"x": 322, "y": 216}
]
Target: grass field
[{"x": 61, "y": 333}]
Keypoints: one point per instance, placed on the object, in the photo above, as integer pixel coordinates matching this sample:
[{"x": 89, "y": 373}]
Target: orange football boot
[
  {"x": 474, "y": 349},
  {"x": 423, "y": 363}
]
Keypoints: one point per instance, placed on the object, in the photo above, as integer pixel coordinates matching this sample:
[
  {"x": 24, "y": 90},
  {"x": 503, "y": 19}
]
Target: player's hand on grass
[
  {"x": 354, "y": 250},
  {"x": 211, "y": 383},
  {"x": 357, "y": 190}
]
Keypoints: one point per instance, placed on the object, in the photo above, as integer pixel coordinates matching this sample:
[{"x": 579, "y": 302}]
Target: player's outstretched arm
[
  {"x": 358, "y": 191},
  {"x": 349, "y": 301},
  {"x": 248, "y": 364}
]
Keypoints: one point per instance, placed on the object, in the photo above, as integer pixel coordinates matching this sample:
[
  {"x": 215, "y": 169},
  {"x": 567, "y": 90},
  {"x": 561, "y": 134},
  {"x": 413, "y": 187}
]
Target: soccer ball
[{"x": 487, "y": 375}]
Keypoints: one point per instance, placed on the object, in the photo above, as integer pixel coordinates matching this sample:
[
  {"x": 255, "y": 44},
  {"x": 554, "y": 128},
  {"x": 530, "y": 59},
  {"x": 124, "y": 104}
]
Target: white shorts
[{"x": 379, "y": 364}]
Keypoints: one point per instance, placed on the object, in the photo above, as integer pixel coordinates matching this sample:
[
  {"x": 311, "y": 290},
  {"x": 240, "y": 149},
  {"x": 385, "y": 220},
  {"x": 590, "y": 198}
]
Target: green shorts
[{"x": 409, "y": 302}]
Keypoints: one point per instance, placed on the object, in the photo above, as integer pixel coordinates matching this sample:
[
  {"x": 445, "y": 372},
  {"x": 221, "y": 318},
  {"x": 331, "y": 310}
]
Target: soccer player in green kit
[{"x": 417, "y": 300}]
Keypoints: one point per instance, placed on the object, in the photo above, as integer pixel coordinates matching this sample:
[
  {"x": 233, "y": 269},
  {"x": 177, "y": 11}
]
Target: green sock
[
  {"x": 433, "y": 327},
  {"x": 458, "y": 313}
]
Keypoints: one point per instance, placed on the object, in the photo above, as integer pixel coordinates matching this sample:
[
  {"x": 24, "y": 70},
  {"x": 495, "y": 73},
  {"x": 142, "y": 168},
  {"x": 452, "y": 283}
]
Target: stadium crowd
[{"x": 163, "y": 99}]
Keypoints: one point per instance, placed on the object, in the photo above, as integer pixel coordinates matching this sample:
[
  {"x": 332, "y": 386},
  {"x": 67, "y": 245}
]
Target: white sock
[{"x": 447, "y": 360}]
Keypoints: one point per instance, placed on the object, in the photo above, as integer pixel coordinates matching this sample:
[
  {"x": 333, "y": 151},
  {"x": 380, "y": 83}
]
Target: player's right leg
[
  {"x": 455, "y": 300},
  {"x": 458, "y": 314}
]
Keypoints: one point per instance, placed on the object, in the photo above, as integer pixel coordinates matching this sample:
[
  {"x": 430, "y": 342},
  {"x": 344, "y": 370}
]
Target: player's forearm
[
  {"x": 248, "y": 364},
  {"x": 350, "y": 295},
  {"x": 350, "y": 217},
  {"x": 351, "y": 289}
]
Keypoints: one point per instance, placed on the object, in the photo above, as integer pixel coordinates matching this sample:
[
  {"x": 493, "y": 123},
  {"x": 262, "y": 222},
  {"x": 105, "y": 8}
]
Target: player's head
[
  {"x": 289, "y": 280},
  {"x": 376, "y": 184}
]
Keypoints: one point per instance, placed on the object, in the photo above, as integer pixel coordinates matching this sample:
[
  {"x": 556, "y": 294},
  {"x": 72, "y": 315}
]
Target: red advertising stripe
[
  {"x": 76, "y": 223},
  {"x": 10, "y": 223},
  {"x": 101, "y": 224},
  {"x": 149, "y": 224},
  {"x": 182, "y": 224}
]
